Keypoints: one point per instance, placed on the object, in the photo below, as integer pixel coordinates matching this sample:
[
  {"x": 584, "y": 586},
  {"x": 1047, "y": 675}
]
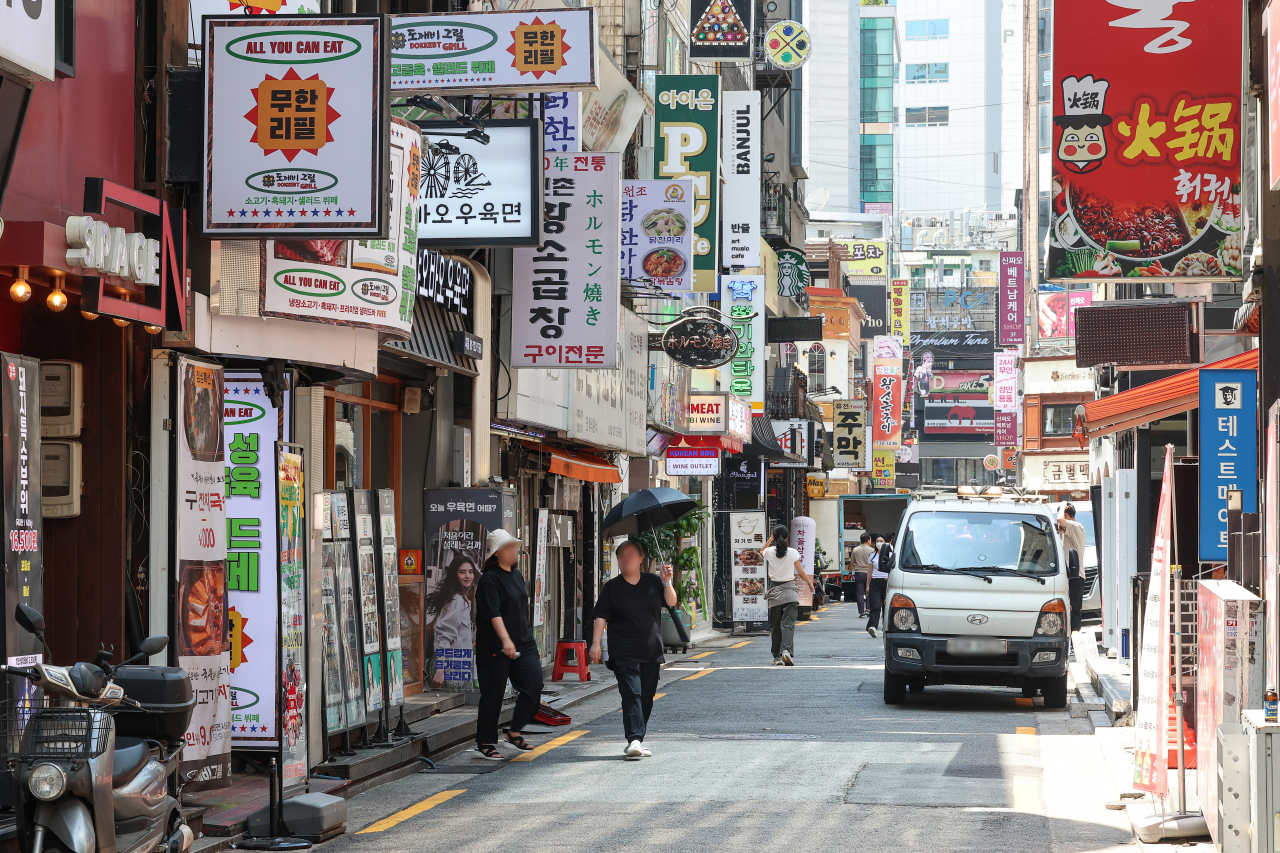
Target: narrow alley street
[{"x": 748, "y": 756}]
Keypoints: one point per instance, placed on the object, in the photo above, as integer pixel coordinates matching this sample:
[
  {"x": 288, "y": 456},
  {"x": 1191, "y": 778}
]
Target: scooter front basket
[{"x": 33, "y": 728}]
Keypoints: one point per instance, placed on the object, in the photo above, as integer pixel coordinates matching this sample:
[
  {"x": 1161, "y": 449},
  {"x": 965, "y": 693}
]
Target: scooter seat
[{"x": 131, "y": 756}]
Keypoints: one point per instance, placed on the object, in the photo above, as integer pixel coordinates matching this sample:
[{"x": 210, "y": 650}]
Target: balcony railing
[
  {"x": 781, "y": 214},
  {"x": 787, "y": 395}
]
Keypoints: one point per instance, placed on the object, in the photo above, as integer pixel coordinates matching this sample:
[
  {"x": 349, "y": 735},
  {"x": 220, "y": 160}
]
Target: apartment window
[
  {"x": 932, "y": 30},
  {"x": 928, "y": 72},
  {"x": 1058, "y": 420},
  {"x": 928, "y": 116},
  {"x": 817, "y": 368}
]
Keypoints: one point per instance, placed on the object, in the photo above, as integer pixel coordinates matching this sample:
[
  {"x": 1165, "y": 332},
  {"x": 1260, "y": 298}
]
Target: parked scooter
[{"x": 95, "y": 758}]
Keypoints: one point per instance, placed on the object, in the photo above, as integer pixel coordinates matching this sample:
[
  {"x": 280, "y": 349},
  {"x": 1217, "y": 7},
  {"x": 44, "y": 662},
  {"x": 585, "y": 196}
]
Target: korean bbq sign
[{"x": 1147, "y": 140}]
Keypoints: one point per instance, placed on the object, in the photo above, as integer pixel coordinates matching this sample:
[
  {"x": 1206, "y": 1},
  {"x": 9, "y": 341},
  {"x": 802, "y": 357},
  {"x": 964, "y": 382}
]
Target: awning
[
  {"x": 726, "y": 443},
  {"x": 1163, "y": 398},
  {"x": 576, "y": 464},
  {"x": 763, "y": 441},
  {"x": 431, "y": 338}
]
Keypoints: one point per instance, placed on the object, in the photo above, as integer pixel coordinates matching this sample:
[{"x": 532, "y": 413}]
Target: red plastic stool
[{"x": 579, "y": 649}]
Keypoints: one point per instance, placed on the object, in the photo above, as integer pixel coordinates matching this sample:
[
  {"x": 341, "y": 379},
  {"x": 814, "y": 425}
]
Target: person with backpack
[{"x": 881, "y": 565}]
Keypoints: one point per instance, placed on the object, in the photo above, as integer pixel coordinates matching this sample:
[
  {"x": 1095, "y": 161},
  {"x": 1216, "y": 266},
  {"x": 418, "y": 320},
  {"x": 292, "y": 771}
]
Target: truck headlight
[
  {"x": 902, "y": 615},
  {"x": 47, "y": 781},
  {"x": 1053, "y": 619}
]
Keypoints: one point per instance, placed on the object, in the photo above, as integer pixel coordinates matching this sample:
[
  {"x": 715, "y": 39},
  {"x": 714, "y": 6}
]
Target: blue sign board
[{"x": 1228, "y": 452}]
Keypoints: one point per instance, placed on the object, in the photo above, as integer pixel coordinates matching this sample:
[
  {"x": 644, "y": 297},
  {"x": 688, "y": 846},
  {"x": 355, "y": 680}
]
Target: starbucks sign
[{"x": 793, "y": 275}]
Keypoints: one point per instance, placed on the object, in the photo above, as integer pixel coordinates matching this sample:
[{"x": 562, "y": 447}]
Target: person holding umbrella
[
  {"x": 782, "y": 564},
  {"x": 631, "y": 605}
]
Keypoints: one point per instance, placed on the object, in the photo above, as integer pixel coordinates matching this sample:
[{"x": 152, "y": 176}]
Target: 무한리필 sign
[
  {"x": 296, "y": 127},
  {"x": 688, "y": 146}
]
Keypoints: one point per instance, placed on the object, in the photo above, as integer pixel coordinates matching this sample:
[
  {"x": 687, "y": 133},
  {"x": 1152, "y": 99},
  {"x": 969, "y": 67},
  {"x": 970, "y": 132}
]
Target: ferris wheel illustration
[
  {"x": 435, "y": 173},
  {"x": 464, "y": 169}
]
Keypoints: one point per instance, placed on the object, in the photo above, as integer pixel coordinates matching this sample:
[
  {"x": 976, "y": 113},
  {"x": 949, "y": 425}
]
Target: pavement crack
[{"x": 848, "y": 789}]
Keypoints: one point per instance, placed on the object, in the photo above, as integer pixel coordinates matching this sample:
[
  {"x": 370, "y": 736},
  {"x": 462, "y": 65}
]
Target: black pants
[
  {"x": 637, "y": 682},
  {"x": 782, "y": 628},
  {"x": 857, "y": 591},
  {"x": 875, "y": 600},
  {"x": 492, "y": 671}
]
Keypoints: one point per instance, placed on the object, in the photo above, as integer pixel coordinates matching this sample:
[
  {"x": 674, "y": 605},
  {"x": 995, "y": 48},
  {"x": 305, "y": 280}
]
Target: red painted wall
[{"x": 82, "y": 126}]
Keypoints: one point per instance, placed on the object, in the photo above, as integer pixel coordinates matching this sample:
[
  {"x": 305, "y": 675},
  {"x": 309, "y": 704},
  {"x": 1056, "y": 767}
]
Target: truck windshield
[{"x": 980, "y": 540}]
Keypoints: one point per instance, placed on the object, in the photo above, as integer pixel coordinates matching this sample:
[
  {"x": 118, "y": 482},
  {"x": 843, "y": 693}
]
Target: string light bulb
[
  {"x": 20, "y": 290},
  {"x": 57, "y": 299}
]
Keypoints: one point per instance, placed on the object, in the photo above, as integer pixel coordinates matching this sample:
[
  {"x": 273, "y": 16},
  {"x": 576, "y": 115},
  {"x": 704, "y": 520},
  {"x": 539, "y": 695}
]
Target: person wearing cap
[{"x": 505, "y": 648}]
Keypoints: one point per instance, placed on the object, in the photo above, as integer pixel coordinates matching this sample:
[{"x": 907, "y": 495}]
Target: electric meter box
[
  {"x": 61, "y": 474},
  {"x": 61, "y": 399}
]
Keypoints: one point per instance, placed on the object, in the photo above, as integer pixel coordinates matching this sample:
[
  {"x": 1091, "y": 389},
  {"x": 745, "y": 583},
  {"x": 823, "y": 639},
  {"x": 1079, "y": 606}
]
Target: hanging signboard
[
  {"x": 1005, "y": 390},
  {"x": 251, "y": 425},
  {"x": 740, "y": 119},
  {"x": 865, "y": 257},
  {"x": 599, "y": 406},
  {"x": 657, "y": 234},
  {"x": 635, "y": 381},
  {"x": 1147, "y": 158},
  {"x": 296, "y": 123},
  {"x": 366, "y": 576},
  {"x": 292, "y": 531},
  {"x": 795, "y": 436},
  {"x": 787, "y": 44},
  {"x": 610, "y": 115},
  {"x": 389, "y": 571},
  {"x": 547, "y": 50},
  {"x": 874, "y": 300},
  {"x": 747, "y": 537},
  {"x": 200, "y": 552},
  {"x": 1012, "y": 313},
  {"x": 23, "y": 520},
  {"x": 1228, "y": 453},
  {"x": 717, "y": 413},
  {"x": 700, "y": 341},
  {"x": 794, "y": 275},
  {"x": 743, "y": 295},
  {"x": 722, "y": 31},
  {"x": 1006, "y": 424},
  {"x": 365, "y": 283},
  {"x": 566, "y": 296},
  {"x": 900, "y": 311},
  {"x": 886, "y": 396},
  {"x": 883, "y": 463},
  {"x": 687, "y": 117},
  {"x": 849, "y": 432},
  {"x": 693, "y": 461},
  {"x": 472, "y": 194}
]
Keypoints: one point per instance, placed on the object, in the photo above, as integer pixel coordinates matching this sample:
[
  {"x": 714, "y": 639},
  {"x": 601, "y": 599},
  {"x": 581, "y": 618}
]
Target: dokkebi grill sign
[{"x": 1147, "y": 140}]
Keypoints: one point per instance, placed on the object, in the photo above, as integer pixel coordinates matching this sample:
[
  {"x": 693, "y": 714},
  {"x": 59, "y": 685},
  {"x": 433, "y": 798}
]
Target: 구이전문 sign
[
  {"x": 296, "y": 128},
  {"x": 547, "y": 50}
]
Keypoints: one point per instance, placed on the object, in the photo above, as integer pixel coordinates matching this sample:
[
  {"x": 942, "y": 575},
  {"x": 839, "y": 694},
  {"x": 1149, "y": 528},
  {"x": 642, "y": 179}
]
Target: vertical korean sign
[
  {"x": 251, "y": 424},
  {"x": 740, "y": 114},
  {"x": 24, "y": 565},
  {"x": 1228, "y": 453},
  {"x": 1006, "y": 398},
  {"x": 657, "y": 234},
  {"x": 743, "y": 295},
  {"x": 747, "y": 537},
  {"x": 900, "y": 311},
  {"x": 200, "y": 546},
  {"x": 1147, "y": 140},
  {"x": 886, "y": 408},
  {"x": 566, "y": 295},
  {"x": 290, "y": 487},
  {"x": 1012, "y": 327},
  {"x": 1151, "y": 752},
  {"x": 849, "y": 433},
  {"x": 688, "y": 146}
]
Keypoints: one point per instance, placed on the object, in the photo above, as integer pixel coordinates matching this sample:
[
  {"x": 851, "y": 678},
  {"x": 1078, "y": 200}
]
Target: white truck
[{"x": 978, "y": 594}]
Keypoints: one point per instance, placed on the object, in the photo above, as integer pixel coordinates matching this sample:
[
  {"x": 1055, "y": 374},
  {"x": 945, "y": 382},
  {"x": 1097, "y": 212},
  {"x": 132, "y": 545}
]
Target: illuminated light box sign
[{"x": 693, "y": 461}]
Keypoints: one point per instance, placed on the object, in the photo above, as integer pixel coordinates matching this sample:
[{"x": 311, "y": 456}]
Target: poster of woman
[{"x": 451, "y": 627}]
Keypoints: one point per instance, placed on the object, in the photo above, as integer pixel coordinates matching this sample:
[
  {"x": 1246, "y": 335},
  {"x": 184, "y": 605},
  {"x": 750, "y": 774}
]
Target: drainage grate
[{"x": 761, "y": 736}]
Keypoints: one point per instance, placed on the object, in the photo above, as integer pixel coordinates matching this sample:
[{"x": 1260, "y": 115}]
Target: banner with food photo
[
  {"x": 747, "y": 535},
  {"x": 657, "y": 234},
  {"x": 1147, "y": 140}
]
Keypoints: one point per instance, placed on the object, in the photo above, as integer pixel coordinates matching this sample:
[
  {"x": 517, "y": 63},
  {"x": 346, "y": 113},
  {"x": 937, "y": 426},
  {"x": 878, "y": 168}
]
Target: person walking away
[
  {"x": 631, "y": 605},
  {"x": 881, "y": 564},
  {"x": 505, "y": 648},
  {"x": 861, "y": 572},
  {"x": 782, "y": 564},
  {"x": 1074, "y": 538}
]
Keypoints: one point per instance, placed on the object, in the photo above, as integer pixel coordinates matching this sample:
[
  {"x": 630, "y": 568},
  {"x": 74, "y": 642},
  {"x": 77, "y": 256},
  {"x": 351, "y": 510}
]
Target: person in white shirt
[
  {"x": 782, "y": 564},
  {"x": 1073, "y": 532},
  {"x": 879, "y": 581}
]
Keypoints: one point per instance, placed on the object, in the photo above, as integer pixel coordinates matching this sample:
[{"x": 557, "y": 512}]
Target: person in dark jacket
[{"x": 505, "y": 648}]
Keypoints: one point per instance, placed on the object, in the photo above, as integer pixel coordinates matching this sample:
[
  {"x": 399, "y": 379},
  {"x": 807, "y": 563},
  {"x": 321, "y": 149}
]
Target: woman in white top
[
  {"x": 881, "y": 564},
  {"x": 782, "y": 564},
  {"x": 450, "y": 609}
]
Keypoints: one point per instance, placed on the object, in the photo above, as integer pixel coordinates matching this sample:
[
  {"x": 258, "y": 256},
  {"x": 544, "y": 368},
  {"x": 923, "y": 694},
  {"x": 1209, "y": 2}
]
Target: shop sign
[
  {"x": 292, "y": 533},
  {"x": 566, "y": 295},
  {"x": 599, "y": 402},
  {"x": 747, "y": 535},
  {"x": 97, "y": 247},
  {"x": 804, "y": 535},
  {"x": 365, "y": 283},
  {"x": 849, "y": 432},
  {"x": 562, "y": 122},
  {"x": 27, "y": 39},
  {"x": 687, "y": 117},
  {"x": 635, "y": 381},
  {"x": 886, "y": 401},
  {"x": 1006, "y": 428},
  {"x": 1057, "y": 315},
  {"x": 445, "y": 280},
  {"x": 277, "y": 89},
  {"x": 712, "y": 413},
  {"x": 1271, "y": 25},
  {"x": 959, "y": 414},
  {"x": 200, "y": 498},
  {"x": 1006, "y": 381},
  {"x": 250, "y": 428},
  {"x": 23, "y": 520},
  {"x": 544, "y": 51},
  {"x": 721, "y": 31},
  {"x": 670, "y": 405},
  {"x": 794, "y": 275},
  {"x": 693, "y": 461},
  {"x": 930, "y": 381},
  {"x": 1147, "y": 141},
  {"x": 1228, "y": 452},
  {"x": 900, "y": 311},
  {"x": 1012, "y": 313},
  {"x": 874, "y": 301},
  {"x": 795, "y": 436},
  {"x": 657, "y": 234},
  {"x": 1009, "y": 457},
  {"x": 883, "y": 463},
  {"x": 865, "y": 257},
  {"x": 788, "y": 44},
  {"x": 465, "y": 343},
  {"x": 744, "y": 294},
  {"x": 485, "y": 195},
  {"x": 539, "y": 590},
  {"x": 700, "y": 341},
  {"x": 946, "y": 346},
  {"x": 816, "y": 485},
  {"x": 740, "y": 117},
  {"x": 610, "y": 115}
]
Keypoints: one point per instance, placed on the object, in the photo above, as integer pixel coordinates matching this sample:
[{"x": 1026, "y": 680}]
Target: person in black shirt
[
  {"x": 505, "y": 648},
  {"x": 631, "y": 604}
]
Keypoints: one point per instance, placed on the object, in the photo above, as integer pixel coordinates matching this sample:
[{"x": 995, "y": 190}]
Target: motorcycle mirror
[
  {"x": 30, "y": 619},
  {"x": 153, "y": 645}
]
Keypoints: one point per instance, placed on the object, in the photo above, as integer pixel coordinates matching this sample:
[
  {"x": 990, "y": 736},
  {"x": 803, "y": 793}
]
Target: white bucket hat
[{"x": 496, "y": 540}]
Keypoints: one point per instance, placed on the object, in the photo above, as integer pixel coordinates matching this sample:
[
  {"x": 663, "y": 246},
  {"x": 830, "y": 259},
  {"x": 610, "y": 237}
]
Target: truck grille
[{"x": 1007, "y": 659}]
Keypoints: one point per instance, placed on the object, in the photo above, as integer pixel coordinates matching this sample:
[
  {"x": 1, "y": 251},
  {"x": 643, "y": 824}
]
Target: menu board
[{"x": 747, "y": 537}]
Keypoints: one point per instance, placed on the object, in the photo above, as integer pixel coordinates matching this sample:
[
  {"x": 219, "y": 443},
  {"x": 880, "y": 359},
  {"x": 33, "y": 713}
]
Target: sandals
[
  {"x": 489, "y": 751},
  {"x": 517, "y": 741}
]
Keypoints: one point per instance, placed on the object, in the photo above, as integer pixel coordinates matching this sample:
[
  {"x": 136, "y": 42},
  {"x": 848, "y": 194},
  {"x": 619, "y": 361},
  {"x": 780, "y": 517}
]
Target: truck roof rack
[{"x": 987, "y": 493}]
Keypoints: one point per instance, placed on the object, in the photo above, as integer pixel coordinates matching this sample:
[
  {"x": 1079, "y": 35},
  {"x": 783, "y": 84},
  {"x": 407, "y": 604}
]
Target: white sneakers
[
  {"x": 634, "y": 751},
  {"x": 777, "y": 661},
  {"x": 786, "y": 658},
  {"x": 644, "y": 752}
]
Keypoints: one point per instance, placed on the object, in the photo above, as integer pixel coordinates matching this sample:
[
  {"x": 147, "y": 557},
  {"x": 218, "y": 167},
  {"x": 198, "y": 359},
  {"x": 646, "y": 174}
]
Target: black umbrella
[{"x": 644, "y": 510}]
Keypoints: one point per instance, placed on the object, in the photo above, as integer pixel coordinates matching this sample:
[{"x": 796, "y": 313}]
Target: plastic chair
[{"x": 561, "y": 666}]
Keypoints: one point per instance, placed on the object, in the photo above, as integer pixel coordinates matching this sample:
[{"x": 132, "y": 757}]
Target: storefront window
[
  {"x": 348, "y": 446},
  {"x": 362, "y": 436},
  {"x": 1058, "y": 420}
]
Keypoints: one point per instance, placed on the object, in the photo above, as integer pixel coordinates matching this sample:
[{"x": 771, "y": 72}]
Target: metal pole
[{"x": 1176, "y": 571}]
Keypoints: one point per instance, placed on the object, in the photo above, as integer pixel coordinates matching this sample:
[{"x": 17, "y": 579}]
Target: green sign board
[
  {"x": 793, "y": 274},
  {"x": 688, "y": 143}
]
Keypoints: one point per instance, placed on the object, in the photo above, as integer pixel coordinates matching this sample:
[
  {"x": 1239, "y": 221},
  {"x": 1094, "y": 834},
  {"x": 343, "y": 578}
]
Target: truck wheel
[
  {"x": 1054, "y": 691},
  {"x": 916, "y": 686},
  {"x": 895, "y": 688}
]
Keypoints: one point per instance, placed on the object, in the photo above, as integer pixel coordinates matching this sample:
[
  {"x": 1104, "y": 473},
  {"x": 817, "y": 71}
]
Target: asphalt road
[{"x": 748, "y": 756}]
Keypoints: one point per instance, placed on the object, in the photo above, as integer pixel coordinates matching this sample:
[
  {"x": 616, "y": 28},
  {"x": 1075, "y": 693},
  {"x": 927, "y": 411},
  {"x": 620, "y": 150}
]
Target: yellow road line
[
  {"x": 703, "y": 655},
  {"x": 1024, "y": 730},
  {"x": 699, "y": 674},
  {"x": 549, "y": 745},
  {"x": 403, "y": 815},
  {"x": 1026, "y": 701},
  {"x": 655, "y": 696},
  {"x": 740, "y": 645}
]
